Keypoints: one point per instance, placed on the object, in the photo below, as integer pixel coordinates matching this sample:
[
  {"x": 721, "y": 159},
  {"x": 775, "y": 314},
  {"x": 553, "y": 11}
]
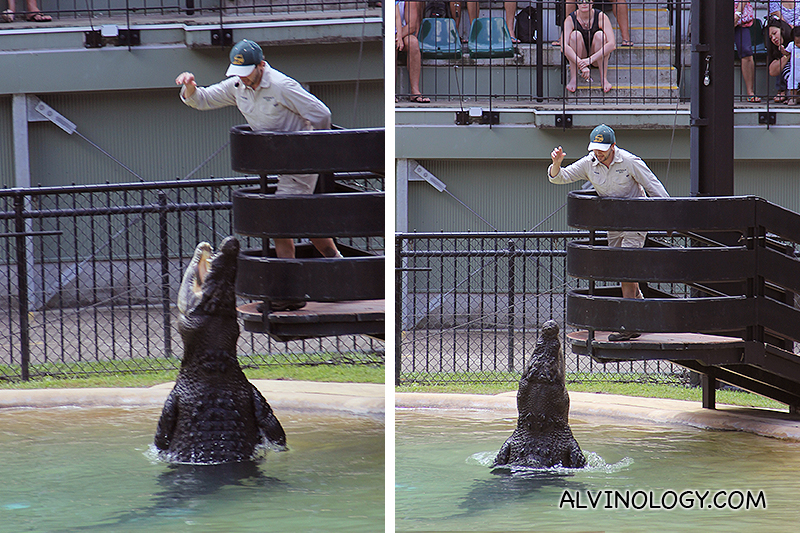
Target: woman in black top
[{"x": 588, "y": 40}]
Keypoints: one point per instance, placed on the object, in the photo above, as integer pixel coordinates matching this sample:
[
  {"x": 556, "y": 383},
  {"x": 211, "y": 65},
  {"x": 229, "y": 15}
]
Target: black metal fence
[
  {"x": 89, "y": 274},
  {"x": 70, "y": 9},
  {"x": 470, "y": 305}
]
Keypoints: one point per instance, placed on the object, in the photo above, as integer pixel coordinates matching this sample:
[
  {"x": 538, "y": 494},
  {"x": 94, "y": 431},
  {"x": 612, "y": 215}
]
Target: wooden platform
[
  {"x": 318, "y": 319},
  {"x": 711, "y": 349}
]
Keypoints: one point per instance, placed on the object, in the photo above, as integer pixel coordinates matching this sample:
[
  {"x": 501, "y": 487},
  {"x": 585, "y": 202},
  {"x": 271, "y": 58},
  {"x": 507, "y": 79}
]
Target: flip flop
[
  {"x": 419, "y": 99},
  {"x": 8, "y": 16},
  {"x": 39, "y": 17},
  {"x": 754, "y": 99},
  {"x": 626, "y": 42},
  {"x": 779, "y": 98}
]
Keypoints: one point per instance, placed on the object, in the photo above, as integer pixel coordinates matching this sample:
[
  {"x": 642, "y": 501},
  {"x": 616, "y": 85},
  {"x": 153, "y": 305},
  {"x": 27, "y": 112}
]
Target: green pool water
[
  {"x": 444, "y": 480},
  {"x": 73, "y": 469}
]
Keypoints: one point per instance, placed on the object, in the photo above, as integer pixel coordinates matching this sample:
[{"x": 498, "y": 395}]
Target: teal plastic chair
[
  {"x": 438, "y": 39},
  {"x": 489, "y": 37}
]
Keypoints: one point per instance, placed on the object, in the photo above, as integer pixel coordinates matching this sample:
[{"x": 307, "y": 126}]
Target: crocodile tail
[
  {"x": 272, "y": 430},
  {"x": 268, "y": 425}
]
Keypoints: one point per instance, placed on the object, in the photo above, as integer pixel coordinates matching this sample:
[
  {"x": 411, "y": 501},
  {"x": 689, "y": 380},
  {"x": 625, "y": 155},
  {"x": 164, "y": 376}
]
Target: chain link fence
[
  {"x": 470, "y": 305},
  {"x": 89, "y": 277}
]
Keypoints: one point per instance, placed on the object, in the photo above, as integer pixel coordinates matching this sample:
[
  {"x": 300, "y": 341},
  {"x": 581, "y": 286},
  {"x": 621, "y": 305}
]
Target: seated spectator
[
  {"x": 588, "y": 40},
  {"x": 779, "y": 35},
  {"x": 33, "y": 13},
  {"x": 407, "y": 18},
  {"x": 741, "y": 33},
  {"x": 620, "y": 10},
  {"x": 786, "y": 10}
]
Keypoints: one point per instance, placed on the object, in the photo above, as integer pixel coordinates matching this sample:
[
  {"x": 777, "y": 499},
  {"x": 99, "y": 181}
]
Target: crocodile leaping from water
[
  {"x": 543, "y": 438},
  {"x": 213, "y": 414}
]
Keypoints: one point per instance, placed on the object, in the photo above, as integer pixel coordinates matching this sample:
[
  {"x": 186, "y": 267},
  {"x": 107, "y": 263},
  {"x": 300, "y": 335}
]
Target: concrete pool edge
[
  {"x": 366, "y": 399},
  {"x": 765, "y": 422}
]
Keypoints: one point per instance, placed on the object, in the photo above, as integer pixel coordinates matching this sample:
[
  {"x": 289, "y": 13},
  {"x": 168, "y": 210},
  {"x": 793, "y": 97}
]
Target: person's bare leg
[
  {"x": 575, "y": 41},
  {"x": 602, "y": 64},
  {"x": 474, "y": 10},
  {"x": 284, "y": 248},
  {"x": 630, "y": 289},
  {"x": 748, "y": 73},
  {"x": 511, "y": 10},
  {"x": 9, "y": 15},
  {"x": 414, "y": 63},
  {"x": 620, "y": 9},
  {"x": 326, "y": 247}
]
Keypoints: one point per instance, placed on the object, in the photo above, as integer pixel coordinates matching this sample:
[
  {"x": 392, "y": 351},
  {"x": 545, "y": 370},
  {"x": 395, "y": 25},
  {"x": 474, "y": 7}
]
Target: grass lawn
[
  {"x": 342, "y": 373},
  {"x": 647, "y": 390},
  {"x": 361, "y": 373}
]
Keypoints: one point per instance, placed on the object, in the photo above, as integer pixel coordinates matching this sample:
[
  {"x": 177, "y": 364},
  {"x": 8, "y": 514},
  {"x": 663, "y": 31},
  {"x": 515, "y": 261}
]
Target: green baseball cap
[
  {"x": 245, "y": 55},
  {"x": 601, "y": 138}
]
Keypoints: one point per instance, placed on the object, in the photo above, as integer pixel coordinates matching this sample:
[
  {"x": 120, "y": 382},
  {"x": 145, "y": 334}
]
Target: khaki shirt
[
  {"x": 279, "y": 103},
  {"x": 627, "y": 176}
]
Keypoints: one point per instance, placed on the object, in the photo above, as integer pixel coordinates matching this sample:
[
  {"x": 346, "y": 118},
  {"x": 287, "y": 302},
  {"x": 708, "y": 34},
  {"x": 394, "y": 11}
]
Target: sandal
[
  {"x": 754, "y": 99},
  {"x": 626, "y": 42},
  {"x": 39, "y": 17},
  {"x": 419, "y": 99},
  {"x": 8, "y": 16},
  {"x": 780, "y": 97}
]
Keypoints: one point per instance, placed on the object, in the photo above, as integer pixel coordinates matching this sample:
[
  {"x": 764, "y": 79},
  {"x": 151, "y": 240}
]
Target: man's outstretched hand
[
  {"x": 557, "y": 155},
  {"x": 187, "y": 80}
]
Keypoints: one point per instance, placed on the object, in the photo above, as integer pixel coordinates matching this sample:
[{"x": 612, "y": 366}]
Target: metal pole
[
  {"x": 711, "y": 121},
  {"x": 22, "y": 277},
  {"x": 539, "y": 52},
  {"x": 398, "y": 309},
  {"x": 511, "y": 281},
  {"x": 164, "y": 238}
]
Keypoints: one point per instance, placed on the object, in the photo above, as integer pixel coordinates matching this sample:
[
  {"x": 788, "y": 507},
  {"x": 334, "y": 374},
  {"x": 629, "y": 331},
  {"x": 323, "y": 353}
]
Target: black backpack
[
  {"x": 525, "y": 26},
  {"x": 435, "y": 10}
]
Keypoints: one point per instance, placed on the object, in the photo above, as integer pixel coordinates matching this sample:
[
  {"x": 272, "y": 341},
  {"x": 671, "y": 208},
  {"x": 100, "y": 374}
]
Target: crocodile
[
  {"x": 213, "y": 414},
  {"x": 543, "y": 438}
]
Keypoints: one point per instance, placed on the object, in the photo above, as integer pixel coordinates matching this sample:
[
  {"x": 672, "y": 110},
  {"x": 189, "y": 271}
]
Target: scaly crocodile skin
[
  {"x": 543, "y": 438},
  {"x": 213, "y": 414}
]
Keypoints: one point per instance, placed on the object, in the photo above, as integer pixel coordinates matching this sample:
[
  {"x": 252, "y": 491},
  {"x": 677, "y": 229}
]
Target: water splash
[
  {"x": 15, "y": 506},
  {"x": 594, "y": 464}
]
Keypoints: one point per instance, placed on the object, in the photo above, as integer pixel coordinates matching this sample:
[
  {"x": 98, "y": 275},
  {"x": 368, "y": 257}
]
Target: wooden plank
[
  {"x": 348, "y": 311},
  {"x": 658, "y": 341}
]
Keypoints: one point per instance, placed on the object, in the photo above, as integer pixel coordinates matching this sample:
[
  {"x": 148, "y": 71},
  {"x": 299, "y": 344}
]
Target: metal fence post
[
  {"x": 539, "y": 52},
  {"x": 164, "y": 239},
  {"x": 511, "y": 279},
  {"x": 398, "y": 310},
  {"x": 22, "y": 281}
]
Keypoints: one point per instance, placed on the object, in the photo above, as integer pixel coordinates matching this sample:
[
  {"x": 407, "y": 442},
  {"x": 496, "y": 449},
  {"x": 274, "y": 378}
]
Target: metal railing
[
  {"x": 469, "y": 307},
  {"x": 457, "y": 66},
  {"x": 89, "y": 276}
]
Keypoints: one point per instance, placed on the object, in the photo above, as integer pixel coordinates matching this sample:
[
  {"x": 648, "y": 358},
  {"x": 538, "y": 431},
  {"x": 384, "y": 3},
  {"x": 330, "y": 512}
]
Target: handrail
[{"x": 757, "y": 277}]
